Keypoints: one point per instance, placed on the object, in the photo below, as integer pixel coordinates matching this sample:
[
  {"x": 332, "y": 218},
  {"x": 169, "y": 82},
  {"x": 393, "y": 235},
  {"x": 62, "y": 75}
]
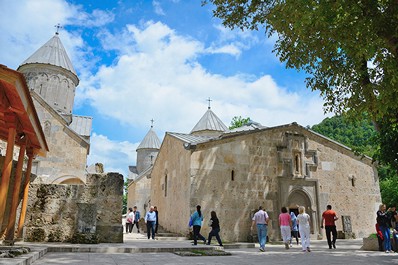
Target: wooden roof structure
[{"x": 15, "y": 99}]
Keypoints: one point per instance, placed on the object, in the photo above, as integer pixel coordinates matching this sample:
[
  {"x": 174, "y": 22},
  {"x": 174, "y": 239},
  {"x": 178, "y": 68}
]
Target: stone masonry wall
[{"x": 57, "y": 212}]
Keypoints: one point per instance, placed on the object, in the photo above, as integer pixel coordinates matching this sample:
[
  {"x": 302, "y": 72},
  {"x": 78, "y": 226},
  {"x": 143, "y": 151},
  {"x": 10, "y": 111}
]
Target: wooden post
[
  {"x": 6, "y": 173},
  {"x": 25, "y": 193},
  {"x": 15, "y": 197}
]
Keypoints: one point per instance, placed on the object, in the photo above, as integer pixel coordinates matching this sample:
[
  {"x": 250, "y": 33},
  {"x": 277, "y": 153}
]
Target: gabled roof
[
  {"x": 81, "y": 124},
  {"x": 210, "y": 122},
  {"x": 192, "y": 139},
  {"x": 150, "y": 141},
  {"x": 53, "y": 53}
]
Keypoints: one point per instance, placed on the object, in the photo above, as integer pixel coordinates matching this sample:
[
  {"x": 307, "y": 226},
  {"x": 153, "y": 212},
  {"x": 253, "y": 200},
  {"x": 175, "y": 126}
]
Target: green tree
[
  {"x": 361, "y": 136},
  {"x": 238, "y": 122},
  {"x": 348, "y": 49},
  {"x": 124, "y": 209}
]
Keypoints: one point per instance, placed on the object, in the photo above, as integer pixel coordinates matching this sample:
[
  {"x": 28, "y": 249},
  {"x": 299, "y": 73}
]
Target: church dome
[
  {"x": 52, "y": 53},
  {"x": 209, "y": 123},
  {"x": 150, "y": 141}
]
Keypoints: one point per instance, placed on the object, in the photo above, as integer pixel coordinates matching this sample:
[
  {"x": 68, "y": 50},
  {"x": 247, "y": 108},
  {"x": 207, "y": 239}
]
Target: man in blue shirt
[{"x": 150, "y": 220}]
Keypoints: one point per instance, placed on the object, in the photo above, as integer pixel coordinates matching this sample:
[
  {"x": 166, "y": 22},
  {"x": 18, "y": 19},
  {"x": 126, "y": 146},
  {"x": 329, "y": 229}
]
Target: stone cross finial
[
  {"x": 58, "y": 26},
  {"x": 152, "y": 123},
  {"x": 209, "y": 102}
]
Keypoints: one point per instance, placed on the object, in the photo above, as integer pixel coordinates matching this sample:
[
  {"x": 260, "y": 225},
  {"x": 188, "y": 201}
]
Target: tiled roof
[
  {"x": 210, "y": 122},
  {"x": 81, "y": 125},
  {"x": 53, "y": 53},
  {"x": 151, "y": 141}
]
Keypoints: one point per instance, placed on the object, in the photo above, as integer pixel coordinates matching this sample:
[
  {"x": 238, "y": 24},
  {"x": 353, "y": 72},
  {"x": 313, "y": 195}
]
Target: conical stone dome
[{"x": 209, "y": 124}]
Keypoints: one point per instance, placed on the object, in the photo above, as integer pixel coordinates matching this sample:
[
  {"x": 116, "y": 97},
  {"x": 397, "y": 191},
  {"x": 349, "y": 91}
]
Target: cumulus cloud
[
  {"x": 114, "y": 155},
  {"x": 158, "y": 75},
  {"x": 155, "y": 73}
]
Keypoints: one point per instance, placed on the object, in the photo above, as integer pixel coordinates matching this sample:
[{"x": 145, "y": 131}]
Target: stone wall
[
  {"x": 171, "y": 185},
  {"x": 68, "y": 152},
  {"x": 60, "y": 212}
]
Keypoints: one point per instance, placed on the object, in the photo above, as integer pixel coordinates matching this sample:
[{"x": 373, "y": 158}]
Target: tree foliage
[
  {"x": 348, "y": 48},
  {"x": 361, "y": 136},
  {"x": 238, "y": 122}
]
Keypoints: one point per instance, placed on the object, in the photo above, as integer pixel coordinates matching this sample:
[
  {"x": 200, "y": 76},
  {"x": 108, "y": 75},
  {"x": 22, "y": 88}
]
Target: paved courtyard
[{"x": 347, "y": 252}]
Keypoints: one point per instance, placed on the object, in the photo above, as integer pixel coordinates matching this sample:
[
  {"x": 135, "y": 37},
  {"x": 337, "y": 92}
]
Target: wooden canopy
[{"x": 16, "y": 102}]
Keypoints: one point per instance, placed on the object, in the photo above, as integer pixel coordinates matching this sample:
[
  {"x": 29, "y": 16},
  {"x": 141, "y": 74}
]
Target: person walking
[
  {"x": 150, "y": 220},
  {"x": 293, "y": 217},
  {"x": 383, "y": 220},
  {"x": 129, "y": 220},
  {"x": 136, "y": 219},
  {"x": 157, "y": 219},
  {"x": 329, "y": 218},
  {"x": 260, "y": 219},
  {"x": 285, "y": 224},
  {"x": 303, "y": 221},
  {"x": 197, "y": 219},
  {"x": 215, "y": 228}
]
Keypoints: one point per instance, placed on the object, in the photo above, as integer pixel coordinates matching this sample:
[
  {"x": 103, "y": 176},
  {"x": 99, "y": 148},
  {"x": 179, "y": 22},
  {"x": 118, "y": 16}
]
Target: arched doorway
[{"x": 298, "y": 198}]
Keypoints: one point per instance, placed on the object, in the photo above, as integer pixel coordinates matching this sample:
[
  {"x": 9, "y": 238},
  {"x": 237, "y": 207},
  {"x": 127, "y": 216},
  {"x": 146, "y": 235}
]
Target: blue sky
[{"x": 161, "y": 60}]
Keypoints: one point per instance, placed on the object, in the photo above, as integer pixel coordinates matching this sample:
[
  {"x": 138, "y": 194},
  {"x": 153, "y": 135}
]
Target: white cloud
[
  {"x": 114, "y": 155},
  {"x": 158, "y": 8},
  {"x": 158, "y": 76}
]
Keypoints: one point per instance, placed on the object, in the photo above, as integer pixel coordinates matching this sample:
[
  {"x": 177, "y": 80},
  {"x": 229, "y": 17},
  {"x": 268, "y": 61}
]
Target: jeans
[
  {"x": 331, "y": 229},
  {"x": 150, "y": 227},
  {"x": 196, "y": 234},
  {"x": 214, "y": 232},
  {"x": 262, "y": 234},
  {"x": 386, "y": 234}
]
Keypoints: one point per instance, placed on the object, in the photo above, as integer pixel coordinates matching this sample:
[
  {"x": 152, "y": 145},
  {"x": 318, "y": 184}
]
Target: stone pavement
[{"x": 136, "y": 248}]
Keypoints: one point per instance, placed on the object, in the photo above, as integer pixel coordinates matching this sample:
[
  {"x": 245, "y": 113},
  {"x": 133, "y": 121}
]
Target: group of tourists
[
  {"x": 291, "y": 225},
  {"x": 151, "y": 220},
  {"x": 387, "y": 222},
  {"x": 195, "y": 221}
]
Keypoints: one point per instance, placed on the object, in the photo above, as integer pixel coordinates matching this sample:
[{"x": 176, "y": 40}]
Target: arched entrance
[{"x": 298, "y": 198}]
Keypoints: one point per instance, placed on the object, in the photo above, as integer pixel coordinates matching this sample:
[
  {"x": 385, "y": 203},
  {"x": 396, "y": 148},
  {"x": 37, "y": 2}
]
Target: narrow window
[
  {"x": 165, "y": 186},
  {"x": 297, "y": 162},
  {"x": 232, "y": 175}
]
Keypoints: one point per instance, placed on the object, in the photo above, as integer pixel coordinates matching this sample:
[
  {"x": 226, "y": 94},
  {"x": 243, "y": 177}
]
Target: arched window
[{"x": 297, "y": 164}]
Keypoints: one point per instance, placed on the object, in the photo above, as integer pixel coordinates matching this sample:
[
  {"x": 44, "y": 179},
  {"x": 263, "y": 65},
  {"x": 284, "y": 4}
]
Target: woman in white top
[{"x": 303, "y": 221}]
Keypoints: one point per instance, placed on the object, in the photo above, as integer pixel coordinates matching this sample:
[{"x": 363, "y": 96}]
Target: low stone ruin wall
[{"x": 89, "y": 213}]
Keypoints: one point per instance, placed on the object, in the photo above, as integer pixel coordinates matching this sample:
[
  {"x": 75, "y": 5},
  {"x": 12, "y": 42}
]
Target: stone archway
[{"x": 298, "y": 197}]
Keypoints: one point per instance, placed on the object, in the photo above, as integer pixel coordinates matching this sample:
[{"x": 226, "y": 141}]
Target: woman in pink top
[{"x": 285, "y": 222}]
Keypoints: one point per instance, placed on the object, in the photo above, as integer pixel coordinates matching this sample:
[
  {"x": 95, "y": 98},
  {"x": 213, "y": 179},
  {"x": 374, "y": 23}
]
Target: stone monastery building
[
  {"x": 233, "y": 172},
  {"x": 52, "y": 80}
]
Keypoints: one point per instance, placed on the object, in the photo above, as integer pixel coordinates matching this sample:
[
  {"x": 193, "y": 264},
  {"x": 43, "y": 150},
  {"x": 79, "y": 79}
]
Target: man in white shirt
[
  {"x": 260, "y": 219},
  {"x": 150, "y": 220}
]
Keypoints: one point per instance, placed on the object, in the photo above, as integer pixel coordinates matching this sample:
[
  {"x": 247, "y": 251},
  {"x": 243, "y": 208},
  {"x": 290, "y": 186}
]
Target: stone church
[
  {"x": 57, "y": 206},
  {"x": 233, "y": 172},
  {"x": 52, "y": 80}
]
